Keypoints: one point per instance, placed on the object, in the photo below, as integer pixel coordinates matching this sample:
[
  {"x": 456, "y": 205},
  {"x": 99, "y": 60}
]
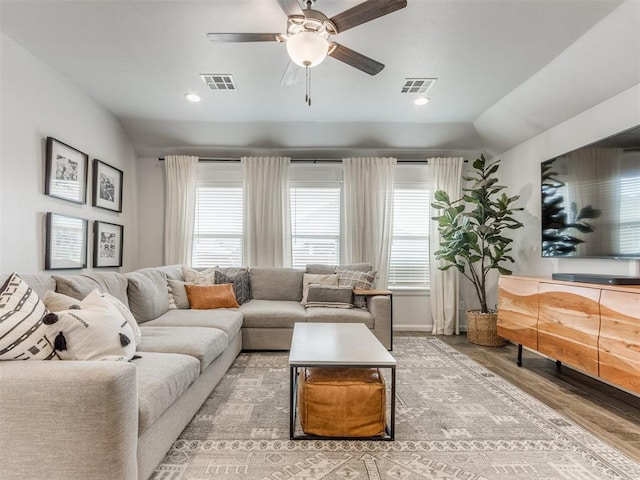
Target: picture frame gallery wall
[{"x": 66, "y": 236}]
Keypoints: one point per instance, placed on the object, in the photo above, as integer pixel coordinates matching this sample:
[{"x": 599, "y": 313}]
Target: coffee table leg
[
  {"x": 392, "y": 432},
  {"x": 292, "y": 401}
]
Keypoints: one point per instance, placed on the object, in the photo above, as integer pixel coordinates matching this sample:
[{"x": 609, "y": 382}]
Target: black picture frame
[
  {"x": 107, "y": 186},
  {"x": 107, "y": 244},
  {"x": 66, "y": 242},
  {"x": 65, "y": 172}
]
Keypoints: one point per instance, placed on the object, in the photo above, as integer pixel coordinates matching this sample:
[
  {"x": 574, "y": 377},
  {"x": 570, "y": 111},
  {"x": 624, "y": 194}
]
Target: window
[
  {"x": 409, "y": 261},
  {"x": 217, "y": 237},
  {"x": 315, "y": 225}
]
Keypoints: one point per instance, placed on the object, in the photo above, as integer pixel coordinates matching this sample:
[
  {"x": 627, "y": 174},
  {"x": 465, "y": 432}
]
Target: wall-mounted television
[{"x": 591, "y": 200}]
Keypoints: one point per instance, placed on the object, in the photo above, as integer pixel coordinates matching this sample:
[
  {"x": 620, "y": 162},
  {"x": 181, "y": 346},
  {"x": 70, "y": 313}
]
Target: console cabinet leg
[{"x": 519, "y": 361}]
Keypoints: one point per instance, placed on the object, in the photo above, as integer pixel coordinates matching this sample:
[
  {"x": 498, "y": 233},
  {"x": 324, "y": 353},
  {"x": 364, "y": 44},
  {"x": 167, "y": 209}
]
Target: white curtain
[
  {"x": 267, "y": 219},
  {"x": 181, "y": 175},
  {"x": 444, "y": 174},
  {"x": 368, "y": 211}
]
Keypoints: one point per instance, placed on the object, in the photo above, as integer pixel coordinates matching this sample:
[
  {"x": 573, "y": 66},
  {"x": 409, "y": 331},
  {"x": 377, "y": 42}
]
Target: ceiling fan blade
[
  {"x": 246, "y": 37},
  {"x": 291, "y": 75},
  {"x": 355, "y": 59},
  {"x": 365, "y": 12},
  {"x": 290, "y": 7}
]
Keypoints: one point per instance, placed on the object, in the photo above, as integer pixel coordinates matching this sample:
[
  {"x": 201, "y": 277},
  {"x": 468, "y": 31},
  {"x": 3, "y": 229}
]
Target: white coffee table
[{"x": 337, "y": 345}]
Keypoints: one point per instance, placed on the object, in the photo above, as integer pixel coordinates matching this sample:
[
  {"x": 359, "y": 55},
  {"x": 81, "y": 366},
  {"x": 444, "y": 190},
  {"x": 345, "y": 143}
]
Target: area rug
[{"x": 455, "y": 420}]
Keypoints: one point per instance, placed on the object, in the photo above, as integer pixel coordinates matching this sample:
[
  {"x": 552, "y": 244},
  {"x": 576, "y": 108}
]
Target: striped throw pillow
[{"x": 22, "y": 333}]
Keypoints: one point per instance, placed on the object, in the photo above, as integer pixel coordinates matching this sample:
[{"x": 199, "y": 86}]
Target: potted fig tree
[{"x": 473, "y": 241}]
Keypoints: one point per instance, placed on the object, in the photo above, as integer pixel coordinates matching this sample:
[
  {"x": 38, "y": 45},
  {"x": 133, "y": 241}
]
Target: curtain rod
[{"x": 303, "y": 160}]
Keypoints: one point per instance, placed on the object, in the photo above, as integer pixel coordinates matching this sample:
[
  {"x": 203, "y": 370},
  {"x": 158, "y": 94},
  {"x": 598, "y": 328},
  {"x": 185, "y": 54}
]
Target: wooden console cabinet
[{"x": 592, "y": 328}]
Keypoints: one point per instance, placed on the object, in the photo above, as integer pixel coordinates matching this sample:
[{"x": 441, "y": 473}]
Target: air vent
[
  {"x": 218, "y": 81},
  {"x": 417, "y": 85}
]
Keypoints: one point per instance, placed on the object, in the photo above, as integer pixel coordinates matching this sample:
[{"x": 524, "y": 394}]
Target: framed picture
[
  {"x": 66, "y": 242},
  {"x": 65, "y": 172},
  {"x": 107, "y": 186},
  {"x": 107, "y": 244}
]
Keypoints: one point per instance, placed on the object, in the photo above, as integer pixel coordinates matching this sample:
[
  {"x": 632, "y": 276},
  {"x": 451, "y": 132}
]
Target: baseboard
[{"x": 411, "y": 328}]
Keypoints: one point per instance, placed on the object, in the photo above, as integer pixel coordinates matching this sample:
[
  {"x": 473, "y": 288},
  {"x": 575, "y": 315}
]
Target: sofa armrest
[
  {"x": 380, "y": 308},
  {"x": 68, "y": 420}
]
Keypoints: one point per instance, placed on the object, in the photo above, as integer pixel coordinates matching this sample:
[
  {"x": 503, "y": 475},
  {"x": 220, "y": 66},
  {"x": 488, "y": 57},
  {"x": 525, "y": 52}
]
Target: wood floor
[{"x": 607, "y": 412}]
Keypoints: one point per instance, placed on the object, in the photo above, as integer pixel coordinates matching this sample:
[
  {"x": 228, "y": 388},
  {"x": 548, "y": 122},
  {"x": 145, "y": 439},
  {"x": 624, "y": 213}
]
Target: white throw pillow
[
  {"x": 56, "y": 302},
  {"x": 94, "y": 331},
  {"x": 22, "y": 333}
]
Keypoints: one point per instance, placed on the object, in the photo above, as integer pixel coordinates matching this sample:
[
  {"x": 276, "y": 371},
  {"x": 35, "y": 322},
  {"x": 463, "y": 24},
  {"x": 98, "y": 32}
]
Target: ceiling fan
[{"x": 309, "y": 32}]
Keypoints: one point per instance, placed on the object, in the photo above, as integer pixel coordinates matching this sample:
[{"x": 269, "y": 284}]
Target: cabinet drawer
[
  {"x": 619, "y": 345},
  {"x": 568, "y": 325},
  {"x": 518, "y": 311}
]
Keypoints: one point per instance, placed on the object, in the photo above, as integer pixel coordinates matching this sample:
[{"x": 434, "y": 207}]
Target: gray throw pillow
[
  {"x": 178, "y": 299},
  {"x": 356, "y": 279},
  {"x": 240, "y": 282},
  {"x": 326, "y": 295}
]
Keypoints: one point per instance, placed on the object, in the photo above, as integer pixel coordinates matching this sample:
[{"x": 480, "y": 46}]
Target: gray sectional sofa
[{"x": 80, "y": 420}]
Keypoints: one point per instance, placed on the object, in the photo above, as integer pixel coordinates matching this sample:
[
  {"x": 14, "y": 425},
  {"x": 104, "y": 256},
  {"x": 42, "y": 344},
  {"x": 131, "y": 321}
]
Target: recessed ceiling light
[
  {"x": 192, "y": 97},
  {"x": 421, "y": 101}
]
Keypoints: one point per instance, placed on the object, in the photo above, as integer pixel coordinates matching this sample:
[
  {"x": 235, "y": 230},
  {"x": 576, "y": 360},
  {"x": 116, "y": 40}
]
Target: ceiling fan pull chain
[{"x": 307, "y": 96}]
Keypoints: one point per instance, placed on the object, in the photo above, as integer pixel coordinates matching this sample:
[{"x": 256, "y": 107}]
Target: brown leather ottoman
[{"x": 342, "y": 402}]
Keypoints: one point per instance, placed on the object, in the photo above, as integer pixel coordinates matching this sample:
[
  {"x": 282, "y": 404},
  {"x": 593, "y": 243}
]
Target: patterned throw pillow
[
  {"x": 240, "y": 282},
  {"x": 355, "y": 279},
  {"x": 202, "y": 297},
  {"x": 22, "y": 333},
  {"x": 56, "y": 302},
  {"x": 199, "y": 277},
  {"x": 93, "y": 330}
]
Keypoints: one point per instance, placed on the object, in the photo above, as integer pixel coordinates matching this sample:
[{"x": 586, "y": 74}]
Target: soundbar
[{"x": 597, "y": 278}]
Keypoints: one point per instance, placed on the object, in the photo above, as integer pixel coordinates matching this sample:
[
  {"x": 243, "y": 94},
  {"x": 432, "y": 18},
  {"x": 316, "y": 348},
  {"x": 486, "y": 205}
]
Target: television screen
[{"x": 591, "y": 200}]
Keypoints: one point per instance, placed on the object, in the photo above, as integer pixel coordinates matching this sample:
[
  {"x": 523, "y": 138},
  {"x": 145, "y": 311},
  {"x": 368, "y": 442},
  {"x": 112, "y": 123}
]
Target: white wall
[
  {"x": 521, "y": 171},
  {"x": 36, "y": 103}
]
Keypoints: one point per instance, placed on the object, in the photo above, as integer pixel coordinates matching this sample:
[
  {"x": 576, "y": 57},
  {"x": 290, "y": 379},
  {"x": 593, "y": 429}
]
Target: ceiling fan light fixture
[{"x": 307, "y": 49}]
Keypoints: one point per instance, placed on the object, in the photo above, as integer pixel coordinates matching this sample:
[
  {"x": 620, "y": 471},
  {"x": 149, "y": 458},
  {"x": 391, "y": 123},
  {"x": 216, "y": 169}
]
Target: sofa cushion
[
  {"x": 229, "y": 321},
  {"x": 79, "y": 286},
  {"x": 56, "y": 302},
  {"x": 22, "y": 333},
  {"x": 309, "y": 278},
  {"x": 339, "y": 315},
  {"x": 240, "y": 282},
  {"x": 205, "y": 344},
  {"x": 272, "y": 314},
  {"x": 274, "y": 283},
  {"x": 148, "y": 294},
  {"x": 204, "y": 297},
  {"x": 174, "y": 272},
  {"x": 93, "y": 329},
  {"x": 40, "y": 284},
  {"x": 162, "y": 379}
]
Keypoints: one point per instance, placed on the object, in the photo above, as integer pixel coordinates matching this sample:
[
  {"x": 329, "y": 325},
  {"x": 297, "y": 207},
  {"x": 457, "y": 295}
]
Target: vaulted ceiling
[{"x": 139, "y": 58}]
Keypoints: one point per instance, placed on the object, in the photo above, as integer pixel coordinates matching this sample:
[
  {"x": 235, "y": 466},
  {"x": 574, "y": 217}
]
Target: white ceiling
[{"x": 138, "y": 59}]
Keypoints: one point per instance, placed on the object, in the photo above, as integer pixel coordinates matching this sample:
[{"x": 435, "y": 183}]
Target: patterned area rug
[{"x": 455, "y": 420}]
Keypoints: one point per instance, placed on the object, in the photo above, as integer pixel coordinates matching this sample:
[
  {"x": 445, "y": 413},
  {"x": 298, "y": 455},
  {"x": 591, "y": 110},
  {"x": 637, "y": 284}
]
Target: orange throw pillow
[{"x": 202, "y": 297}]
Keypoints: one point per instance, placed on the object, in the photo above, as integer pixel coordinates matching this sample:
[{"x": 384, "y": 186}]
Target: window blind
[
  {"x": 217, "y": 238},
  {"x": 409, "y": 260},
  {"x": 315, "y": 225}
]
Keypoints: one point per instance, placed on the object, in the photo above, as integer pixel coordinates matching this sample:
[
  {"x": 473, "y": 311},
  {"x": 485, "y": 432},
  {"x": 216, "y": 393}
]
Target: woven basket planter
[{"x": 482, "y": 329}]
